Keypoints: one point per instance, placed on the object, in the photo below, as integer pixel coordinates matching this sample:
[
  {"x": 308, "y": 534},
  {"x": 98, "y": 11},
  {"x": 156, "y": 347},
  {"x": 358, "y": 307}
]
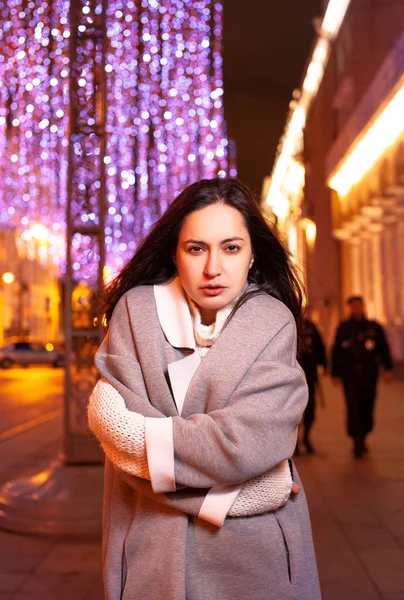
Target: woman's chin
[{"x": 214, "y": 302}]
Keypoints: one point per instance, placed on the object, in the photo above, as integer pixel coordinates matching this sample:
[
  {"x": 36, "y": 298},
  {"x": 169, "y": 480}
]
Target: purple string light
[{"x": 165, "y": 124}]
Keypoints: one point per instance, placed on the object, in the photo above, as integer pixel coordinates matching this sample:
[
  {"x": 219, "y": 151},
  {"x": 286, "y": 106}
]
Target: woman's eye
[
  {"x": 195, "y": 249},
  {"x": 233, "y": 248}
]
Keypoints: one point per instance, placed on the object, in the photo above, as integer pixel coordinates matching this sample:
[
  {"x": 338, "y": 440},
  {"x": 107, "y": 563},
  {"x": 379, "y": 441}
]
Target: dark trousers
[{"x": 360, "y": 395}]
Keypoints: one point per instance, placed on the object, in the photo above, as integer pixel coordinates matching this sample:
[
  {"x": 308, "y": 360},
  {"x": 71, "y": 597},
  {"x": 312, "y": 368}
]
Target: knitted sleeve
[
  {"x": 122, "y": 436},
  {"x": 265, "y": 493},
  {"x": 120, "y": 431}
]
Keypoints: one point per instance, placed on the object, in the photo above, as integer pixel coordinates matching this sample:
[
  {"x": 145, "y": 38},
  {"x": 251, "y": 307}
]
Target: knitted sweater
[
  {"x": 205, "y": 335},
  {"x": 122, "y": 434}
]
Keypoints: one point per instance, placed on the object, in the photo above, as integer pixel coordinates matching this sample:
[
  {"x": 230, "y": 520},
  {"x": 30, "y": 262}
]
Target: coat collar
[
  {"x": 249, "y": 331},
  {"x": 176, "y": 322},
  {"x": 174, "y": 314}
]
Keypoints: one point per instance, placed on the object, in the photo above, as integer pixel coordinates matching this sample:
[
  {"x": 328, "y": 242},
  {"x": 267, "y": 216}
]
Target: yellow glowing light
[
  {"x": 321, "y": 49},
  {"x": 106, "y": 274},
  {"x": 292, "y": 136},
  {"x": 292, "y": 240},
  {"x": 311, "y": 231},
  {"x": 334, "y": 15},
  {"x": 49, "y": 347},
  {"x": 313, "y": 76},
  {"x": 81, "y": 291},
  {"x": 109, "y": 274},
  {"x": 384, "y": 131},
  {"x": 297, "y": 121},
  {"x": 104, "y": 322},
  {"x": 8, "y": 278},
  {"x": 281, "y": 207},
  {"x": 40, "y": 233},
  {"x": 295, "y": 175}
]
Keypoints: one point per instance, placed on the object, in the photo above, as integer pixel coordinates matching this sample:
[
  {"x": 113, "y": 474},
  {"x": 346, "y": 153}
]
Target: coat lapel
[
  {"x": 174, "y": 315},
  {"x": 176, "y": 322},
  {"x": 201, "y": 386},
  {"x": 229, "y": 359}
]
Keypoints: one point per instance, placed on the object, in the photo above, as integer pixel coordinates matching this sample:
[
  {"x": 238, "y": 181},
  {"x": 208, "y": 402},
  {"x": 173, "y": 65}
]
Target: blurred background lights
[
  {"x": 291, "y": 142},
  {"x": 8, "y": 278},
  {"x": 311, "y": 231},
  {"x": 164, "y": 94},
  {"x": 385, "y": 129}
]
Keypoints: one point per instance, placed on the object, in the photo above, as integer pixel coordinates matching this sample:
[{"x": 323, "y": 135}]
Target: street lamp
[{"x": 8, "y": 278}]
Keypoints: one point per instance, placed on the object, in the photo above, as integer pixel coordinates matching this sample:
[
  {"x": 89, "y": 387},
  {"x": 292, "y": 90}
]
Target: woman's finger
[{"x": 295, "y": 488}]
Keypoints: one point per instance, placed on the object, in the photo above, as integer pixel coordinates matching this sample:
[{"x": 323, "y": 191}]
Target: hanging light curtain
[{"x": 165, "y": 125}]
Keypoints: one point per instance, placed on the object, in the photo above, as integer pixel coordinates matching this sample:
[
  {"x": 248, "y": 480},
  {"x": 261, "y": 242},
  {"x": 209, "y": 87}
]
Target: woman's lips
[{"x": 213, "y": 290}]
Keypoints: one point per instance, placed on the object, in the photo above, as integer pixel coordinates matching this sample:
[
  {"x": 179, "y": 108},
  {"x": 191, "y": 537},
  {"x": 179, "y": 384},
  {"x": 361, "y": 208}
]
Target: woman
[{"x": 198, "y": 427}]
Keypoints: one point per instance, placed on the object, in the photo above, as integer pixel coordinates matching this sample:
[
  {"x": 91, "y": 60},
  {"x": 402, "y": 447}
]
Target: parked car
[{"x": 29, "y": 353}]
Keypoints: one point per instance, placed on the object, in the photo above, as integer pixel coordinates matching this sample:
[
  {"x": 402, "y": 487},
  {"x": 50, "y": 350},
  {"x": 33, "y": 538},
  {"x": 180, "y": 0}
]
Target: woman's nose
[{"x": 212, "y": 266}]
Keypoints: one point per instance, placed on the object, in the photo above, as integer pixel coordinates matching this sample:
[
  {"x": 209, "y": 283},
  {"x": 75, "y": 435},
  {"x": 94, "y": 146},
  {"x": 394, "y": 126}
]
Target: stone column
[
  {"x": 367, "y": 273},
  {"x": 388, "y": 268},
  {"x": 399, "y": 274},
  {"x": 355, "y": 266},
  {"x": 346, "y": 274},
  {"x": 376, "y": 266},
  {"x": 400, "y": 265}
]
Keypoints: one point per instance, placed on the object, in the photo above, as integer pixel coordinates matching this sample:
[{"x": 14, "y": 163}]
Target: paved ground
[
  {"x": 357, "y": 509},
  {"x": 357, "y": 506},
  {"x": 28, "y": 394}
]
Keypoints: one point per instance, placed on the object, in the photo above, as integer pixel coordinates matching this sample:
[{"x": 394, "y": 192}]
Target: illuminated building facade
[
  {"x": 29, "y": 293},
  {"x": 347, "y": 210}
]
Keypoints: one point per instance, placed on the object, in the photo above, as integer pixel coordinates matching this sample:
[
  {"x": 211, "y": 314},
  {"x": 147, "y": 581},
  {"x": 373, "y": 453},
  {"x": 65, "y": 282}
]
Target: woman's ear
[{"x": 251, "y": 262}]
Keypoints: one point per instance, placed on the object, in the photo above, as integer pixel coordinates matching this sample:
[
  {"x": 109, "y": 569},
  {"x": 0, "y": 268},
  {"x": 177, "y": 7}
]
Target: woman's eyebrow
[
  {"x": 233, "y": 239},
  {"x": 226, "y": 241}
]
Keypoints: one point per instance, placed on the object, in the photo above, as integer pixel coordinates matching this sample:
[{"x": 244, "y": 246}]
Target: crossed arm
[
  {"x": 254, "y": 434},
  {"x": 122, "y": 436}
]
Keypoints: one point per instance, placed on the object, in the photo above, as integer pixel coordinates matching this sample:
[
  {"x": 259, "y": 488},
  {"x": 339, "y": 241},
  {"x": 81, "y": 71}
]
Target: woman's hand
[{"x": 295, "y": 488}]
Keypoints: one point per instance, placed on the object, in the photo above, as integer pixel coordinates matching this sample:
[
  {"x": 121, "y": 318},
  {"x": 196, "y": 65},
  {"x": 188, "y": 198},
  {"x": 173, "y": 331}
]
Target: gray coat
[{"x": 239, "y": 419}]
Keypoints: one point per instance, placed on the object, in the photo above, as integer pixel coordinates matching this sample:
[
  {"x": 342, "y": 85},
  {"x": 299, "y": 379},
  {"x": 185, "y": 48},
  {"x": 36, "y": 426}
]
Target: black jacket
[{"x": 360, "y": 346}]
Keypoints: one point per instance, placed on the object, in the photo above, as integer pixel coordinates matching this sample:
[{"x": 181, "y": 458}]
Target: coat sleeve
[
  {"x": 117, "y": 361},
  {"x": 255, "y": 432},
  {"x": 187, "y": 501},
  {"x": 268, "y": 492},
  {"x": 336, "y": 358},
  {"x": 121, "y": 433}
]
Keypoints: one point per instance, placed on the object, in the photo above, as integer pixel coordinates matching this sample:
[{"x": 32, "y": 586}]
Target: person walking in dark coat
[
  {"x": 360, "y": 347},
  {"x": 313, "y": 354}
]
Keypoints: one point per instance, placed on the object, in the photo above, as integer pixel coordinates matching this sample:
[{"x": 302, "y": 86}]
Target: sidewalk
[
  {"x": 44, "y": 568},
  {"x": 357, "y": 506},
  {"x": 357, "y": 509}
]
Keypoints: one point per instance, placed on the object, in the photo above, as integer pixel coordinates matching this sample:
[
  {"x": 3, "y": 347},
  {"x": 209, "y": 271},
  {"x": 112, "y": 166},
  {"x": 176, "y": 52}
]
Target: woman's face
[{"x": 213, "y": 257}]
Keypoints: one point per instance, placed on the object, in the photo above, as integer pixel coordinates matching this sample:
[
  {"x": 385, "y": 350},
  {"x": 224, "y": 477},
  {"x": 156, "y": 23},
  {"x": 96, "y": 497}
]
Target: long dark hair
[{"x": 153, "y": 262}]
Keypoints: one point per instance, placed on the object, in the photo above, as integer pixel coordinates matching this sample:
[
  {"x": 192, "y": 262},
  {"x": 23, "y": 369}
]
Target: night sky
[{"x": 266, "y": 46}]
